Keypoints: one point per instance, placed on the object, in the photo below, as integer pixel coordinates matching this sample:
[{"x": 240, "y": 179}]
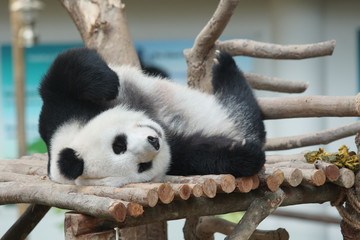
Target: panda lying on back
[{"x": 112, "y": 125}]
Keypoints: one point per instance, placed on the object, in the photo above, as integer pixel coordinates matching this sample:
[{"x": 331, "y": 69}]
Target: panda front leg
[{"x": 81, "y": 74}]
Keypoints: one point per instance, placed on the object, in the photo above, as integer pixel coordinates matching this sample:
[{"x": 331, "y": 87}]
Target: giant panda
[{"x": 112, "y": 125}]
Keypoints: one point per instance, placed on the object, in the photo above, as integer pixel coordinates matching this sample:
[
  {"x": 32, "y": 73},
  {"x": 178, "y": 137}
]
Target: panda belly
[
  {"x": 187, "y": 112},
  {"x": 179, "y": 109}
]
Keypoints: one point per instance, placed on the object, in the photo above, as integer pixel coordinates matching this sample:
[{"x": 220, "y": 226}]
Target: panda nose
[{"x": 154, "y": 141}]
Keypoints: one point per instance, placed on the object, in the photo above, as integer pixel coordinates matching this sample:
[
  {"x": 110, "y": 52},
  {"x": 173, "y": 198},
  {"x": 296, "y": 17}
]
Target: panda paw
[
  {"x": 217, "y": 53},
  {"x": 226, "y": 75}
]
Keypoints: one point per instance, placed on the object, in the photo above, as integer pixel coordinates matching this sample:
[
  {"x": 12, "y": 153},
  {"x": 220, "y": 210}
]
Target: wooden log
[
  {"x": 244, "y": 184},
  {"x": 309, "y": 106},
  {"x": 134, "y": 209},
  {"x": 145, "y": 197},
  {"x": 209, "y": 186},
  {"x": 246, "y": 47},
  {"x": 223, "y": 203},
  {"x": 182, "y": 191},
  {"x": 313, "y": 176},
  {"x": 105, "y": 207},
  {"x": 292, "y": 176},
  {"x": 272, "y": 178},
  {"x": 164, "y": 190},
  {"x": 196, "y": 190},
  {"x": 224, "y": 182},
  {"x": 152, "y": 231},
  {"x": 346, "y": 178},
  {"x": 256, "y": 182},
  {"x": 291, "y": 164},
  {"x": 331, "y": 171},
  {"x": 20, "y": 166},
  {"x": 270, "y": 159}
]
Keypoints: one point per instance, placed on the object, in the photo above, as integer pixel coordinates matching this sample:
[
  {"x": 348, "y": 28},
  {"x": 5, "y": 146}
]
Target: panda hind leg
[
  {"x": 227, "y": 78},
  {"x": 234, "y": 93}
]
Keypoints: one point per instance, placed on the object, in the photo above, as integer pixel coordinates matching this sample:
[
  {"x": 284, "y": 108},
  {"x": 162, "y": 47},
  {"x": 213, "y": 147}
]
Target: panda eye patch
[{"x": 119, "y": 144}]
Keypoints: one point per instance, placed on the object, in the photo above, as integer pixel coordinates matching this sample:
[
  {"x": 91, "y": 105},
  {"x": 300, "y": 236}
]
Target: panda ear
[{"x": 70, "y": 164}]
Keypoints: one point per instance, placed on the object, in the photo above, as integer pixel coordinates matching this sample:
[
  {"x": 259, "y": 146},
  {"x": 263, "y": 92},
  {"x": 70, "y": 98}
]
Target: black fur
[
  {"x": 70, "y": 165},
  {"x": 142, "y": 167}
]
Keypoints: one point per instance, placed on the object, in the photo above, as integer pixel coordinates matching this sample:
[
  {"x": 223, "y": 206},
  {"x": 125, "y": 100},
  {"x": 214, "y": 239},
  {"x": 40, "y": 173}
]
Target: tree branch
[
  {"x": 26, "y": 223},
  {"x": 103, "y": 26},
  {"x": 245, "y": 47},
  {"x": 321, "y": 137},
  {"x": 310, "y": 106},
  {"x": 257, "y": 211},
  {"x": 260, "y": 82},
  {"x": 209, "y": 225},
  {"x": 197, "y": 58}
]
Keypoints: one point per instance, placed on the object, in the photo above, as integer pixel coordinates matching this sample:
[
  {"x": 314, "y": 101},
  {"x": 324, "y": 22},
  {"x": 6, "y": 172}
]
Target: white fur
[
  {"x": 199, "y": 112},
  {"x": 93, "y": 143}
]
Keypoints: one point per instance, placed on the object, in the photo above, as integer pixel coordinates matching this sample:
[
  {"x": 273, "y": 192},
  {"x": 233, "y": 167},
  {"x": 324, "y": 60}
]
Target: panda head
[{"x": 117, "y": 147}]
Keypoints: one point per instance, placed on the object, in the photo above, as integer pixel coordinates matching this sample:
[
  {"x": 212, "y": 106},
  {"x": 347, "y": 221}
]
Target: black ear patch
[
  {"x": 142, "y": 167},
  {"x": 70, "y": 165}
]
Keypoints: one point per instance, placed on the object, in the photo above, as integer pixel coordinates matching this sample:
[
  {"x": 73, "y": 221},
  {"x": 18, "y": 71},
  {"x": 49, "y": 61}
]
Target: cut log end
[
  {"x": 331, "y": 171},
  {"x": 166, "y": 193},
  {"x": 182, "y": 191},
  {"x": 227, "y": 183},
  {"x": 256, "y": 182},
  {"x": 152, "y": 198},
  {"x": 293, "y": 176},
  {"x": 118, "y": 211},
  {"x": 209, "y": 188},
  {"x": 134, "y": 209},
  {"x": 314, "y": 177},
  {"x": 272, "y": 183},
  {"x": 244, "y": 184},
  {"x": 196, "y": 190},
  {"x": 346, "y": 179}
]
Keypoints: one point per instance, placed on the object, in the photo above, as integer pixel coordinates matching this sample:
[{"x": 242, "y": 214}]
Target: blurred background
[{"x": 162, "y": 30}]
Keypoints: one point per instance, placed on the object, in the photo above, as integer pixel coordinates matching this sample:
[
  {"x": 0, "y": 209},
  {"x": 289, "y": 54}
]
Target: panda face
[{"x": 116, "y": 147}]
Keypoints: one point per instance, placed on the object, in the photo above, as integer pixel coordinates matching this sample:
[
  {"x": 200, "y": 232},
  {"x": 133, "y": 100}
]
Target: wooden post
[
  {"x": 19, "y": 79},
  {"x": 19, "y": 86}
]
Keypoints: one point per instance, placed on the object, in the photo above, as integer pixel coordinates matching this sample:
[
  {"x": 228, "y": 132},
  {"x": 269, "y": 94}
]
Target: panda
[{"x": 112, "y": 125}]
